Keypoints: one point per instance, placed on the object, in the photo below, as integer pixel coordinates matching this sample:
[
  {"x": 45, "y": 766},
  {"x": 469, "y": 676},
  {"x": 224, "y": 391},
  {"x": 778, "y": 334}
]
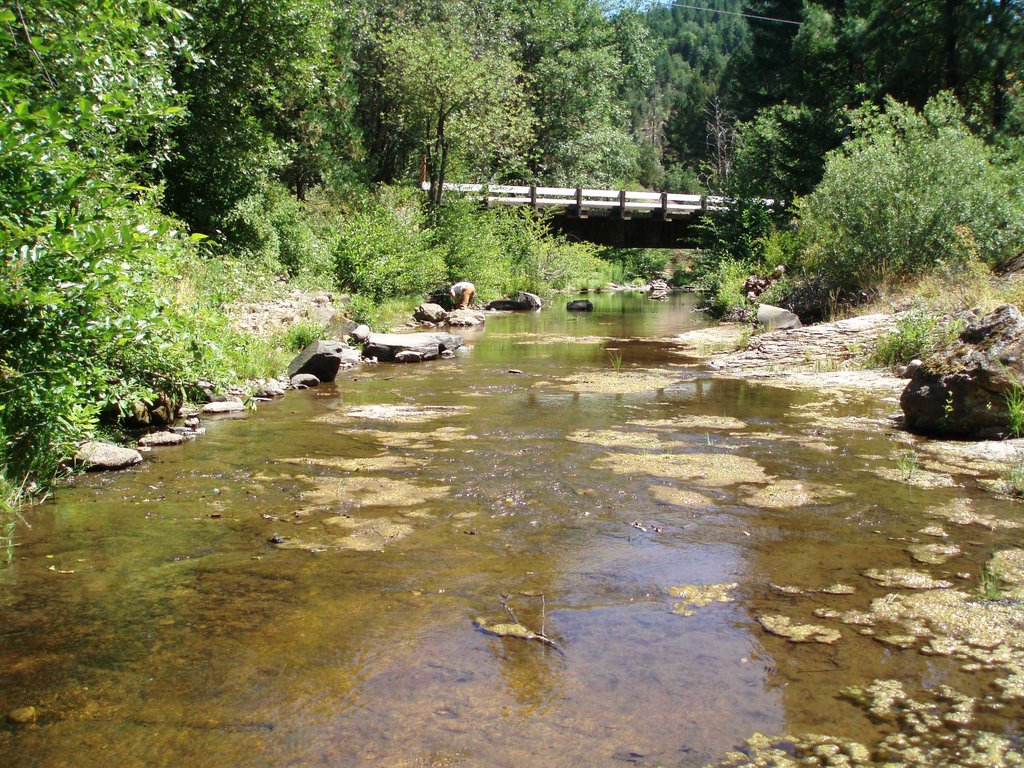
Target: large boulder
[
  {"x": 430, "y": 313},
  {"x": 324, "y": 359},
  {"x": 580, "y": 305},
  {"x": 777, "y": 318},
  {"x": 386, "y": 346},
  {"x": 98, "y": 456},
  {"x": 961, "y": 390},
  {"x": 523, "y": 302},
  {"x": 467, "y": 318}
]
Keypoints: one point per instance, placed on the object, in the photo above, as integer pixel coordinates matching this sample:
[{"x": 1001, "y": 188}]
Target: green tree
[
  {"x": 270, "y": 95},
  {"x": 459, "y": 102},
  {"x": 910, "y": 192}
]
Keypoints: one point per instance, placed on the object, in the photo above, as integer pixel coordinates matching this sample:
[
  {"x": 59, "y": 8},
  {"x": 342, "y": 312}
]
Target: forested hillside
[{"x": 158, "y": 161}]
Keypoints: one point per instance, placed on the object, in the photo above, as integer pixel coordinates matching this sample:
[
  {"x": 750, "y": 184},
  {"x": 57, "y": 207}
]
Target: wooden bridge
[{"x": 615, "y": 218}]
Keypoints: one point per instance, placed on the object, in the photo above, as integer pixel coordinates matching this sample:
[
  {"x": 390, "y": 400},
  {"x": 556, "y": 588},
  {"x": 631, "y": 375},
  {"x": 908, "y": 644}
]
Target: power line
[{"x": 737, "y": 13}]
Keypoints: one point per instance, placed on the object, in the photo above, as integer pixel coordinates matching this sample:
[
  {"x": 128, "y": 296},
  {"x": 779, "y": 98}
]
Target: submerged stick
[{"x": 514, "y": 630}]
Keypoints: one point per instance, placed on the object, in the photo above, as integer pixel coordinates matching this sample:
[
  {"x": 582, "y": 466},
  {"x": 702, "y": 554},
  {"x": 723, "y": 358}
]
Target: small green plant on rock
[
  {"x": 1013, "y": 480},
  {"x": 907, "y": 464},
  {"x": 1015, "y": 409},
  {"x": 988, "y": 585},
  {"x": 616, "y": 360}
]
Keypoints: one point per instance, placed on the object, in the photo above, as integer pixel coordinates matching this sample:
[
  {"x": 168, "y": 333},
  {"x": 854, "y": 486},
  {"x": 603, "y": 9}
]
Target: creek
[{"x": 149, "y": 619}]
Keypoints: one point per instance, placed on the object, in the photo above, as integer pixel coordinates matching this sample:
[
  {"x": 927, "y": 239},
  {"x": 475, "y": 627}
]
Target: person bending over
[{"x": 463, "y": 293}]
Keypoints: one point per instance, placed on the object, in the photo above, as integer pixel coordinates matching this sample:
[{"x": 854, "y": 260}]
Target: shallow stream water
[{"x": 149, "y": 619}]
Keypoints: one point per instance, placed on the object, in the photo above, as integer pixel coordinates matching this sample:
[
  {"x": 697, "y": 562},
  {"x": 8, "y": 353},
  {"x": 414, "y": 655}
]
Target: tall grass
[{"x": 917, "y": 335}]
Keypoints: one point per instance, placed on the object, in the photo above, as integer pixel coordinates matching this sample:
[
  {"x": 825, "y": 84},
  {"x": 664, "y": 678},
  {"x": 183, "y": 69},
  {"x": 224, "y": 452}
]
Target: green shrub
[
  {"x": 638, "y": 263},
  {"x": 724, "y": 288},
  {"x": 917, "y": 335},
  {"x": 909, "y": 191},
  {"x": 300, "y": 335},
  {"x": 384, "y": 249},
  {"x": 280, "y": 233}
]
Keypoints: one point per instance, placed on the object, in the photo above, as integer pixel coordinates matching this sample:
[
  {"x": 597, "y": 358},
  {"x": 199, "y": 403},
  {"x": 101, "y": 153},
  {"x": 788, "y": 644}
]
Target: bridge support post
[
  {"x": 579, "y": 210},
  {"x": 664, "y": 206},
  {"x": 533, "y": 197},
  {"x": 623, "y": 214}
]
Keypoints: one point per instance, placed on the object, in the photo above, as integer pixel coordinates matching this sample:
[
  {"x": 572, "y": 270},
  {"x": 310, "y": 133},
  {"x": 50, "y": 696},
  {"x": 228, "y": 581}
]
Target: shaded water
[{"x": 150, "y": 621}]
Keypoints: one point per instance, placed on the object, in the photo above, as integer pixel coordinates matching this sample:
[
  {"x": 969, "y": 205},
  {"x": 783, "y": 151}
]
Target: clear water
[{"x": 149, "y": 620}]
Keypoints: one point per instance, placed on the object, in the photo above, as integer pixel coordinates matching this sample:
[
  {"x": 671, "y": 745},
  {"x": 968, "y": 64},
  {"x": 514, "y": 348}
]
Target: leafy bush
[
  {"x": 639, "y": 263},
  {"x": 384, "y": 249},
  {"x": 918, "y": 333},
  {"x": 281, "y": 233},
  {"x": 724, "y": 288},
  {"x": 911, "y": 190},
  {"x": 302, "y": 334}
]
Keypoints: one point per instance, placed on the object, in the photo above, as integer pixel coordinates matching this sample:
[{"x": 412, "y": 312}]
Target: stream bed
[{"x": 312, "y": 584}]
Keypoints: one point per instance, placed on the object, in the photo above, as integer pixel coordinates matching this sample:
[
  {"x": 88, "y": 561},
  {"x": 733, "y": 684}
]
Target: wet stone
[
  {"x": 161, "y": 439},
  {"x": 959, "y": 512},
  {"x": 784, "y": 494},
  {"x": 23, "y": 715},
  {"x": 858, "y": 618},
  {"x": 680, "y": 497},
  {"x": 223, "y": 406},
  {"x": 611, "y": 438},
  {"x": 706, "y": 469},
  {"x": 1008, "y": 567},
  {"x": 697, "y": 423},
  {"x": 97, "y": 456}
]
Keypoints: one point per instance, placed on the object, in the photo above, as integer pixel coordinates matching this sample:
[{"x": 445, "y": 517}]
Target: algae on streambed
[{"x": 706, "y": 469}]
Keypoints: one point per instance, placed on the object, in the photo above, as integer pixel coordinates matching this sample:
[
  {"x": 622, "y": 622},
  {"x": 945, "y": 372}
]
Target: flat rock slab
[
  {"x": 804, "y": 348},
  {"x": 223, "y": 406},
  {"x": 97, "y": 456},
  {"x": 386, "y": 346},
  {"x": 155, "y": 439}
]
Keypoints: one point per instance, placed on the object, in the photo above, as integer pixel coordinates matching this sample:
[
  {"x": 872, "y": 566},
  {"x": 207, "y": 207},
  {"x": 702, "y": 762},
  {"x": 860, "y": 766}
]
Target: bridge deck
[
  {"x": 615, "y": 218},
  {"x": 579, "y": 200}
]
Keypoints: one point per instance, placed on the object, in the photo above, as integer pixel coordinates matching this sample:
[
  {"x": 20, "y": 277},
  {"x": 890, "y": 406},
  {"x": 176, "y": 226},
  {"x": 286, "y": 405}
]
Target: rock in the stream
[
  {"x": 269, "y": 389},
  {"x": 23, "y": 715},
  {"x": 777, "y": 318},
  {"x": 98, "y": 456},
  {"x": 523, "y": 302},
  {"x": 385, "y": 347},
  {"x": 960, "y": 391},
  {"x": 304, "y": 381},
  {"x": 467, "y": 318},
  {"x": 361, "y": 334},
  {"x": 223, "y": 406},
  {"x": 430, "y": 313},
  {"x": 155, "y": 439},
  {"x": 408, "y": 356},
  {"x": 658, "y": 290},
  {"x": 324, "y": 359},
  {"x": 580, "y": 305}
]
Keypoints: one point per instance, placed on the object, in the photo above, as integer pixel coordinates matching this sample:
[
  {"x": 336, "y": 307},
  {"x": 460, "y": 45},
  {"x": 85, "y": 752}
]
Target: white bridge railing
[{"x": 581, "y": 199}]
